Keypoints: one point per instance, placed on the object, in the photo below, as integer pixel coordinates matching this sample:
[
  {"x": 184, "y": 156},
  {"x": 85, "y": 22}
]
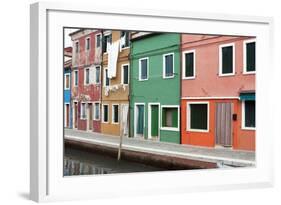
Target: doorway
[
  {"x": 139, "y": 120},
  {"x": 90, "y": 117},
  {"x": 75, "y": 115},
  {"x": 224, "y": 124},
  {"x": 154, "y": 121}
]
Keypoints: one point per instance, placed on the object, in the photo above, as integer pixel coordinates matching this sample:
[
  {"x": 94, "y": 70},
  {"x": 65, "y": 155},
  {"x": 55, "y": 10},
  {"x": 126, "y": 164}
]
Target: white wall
[{"x": 14, "y": 104}]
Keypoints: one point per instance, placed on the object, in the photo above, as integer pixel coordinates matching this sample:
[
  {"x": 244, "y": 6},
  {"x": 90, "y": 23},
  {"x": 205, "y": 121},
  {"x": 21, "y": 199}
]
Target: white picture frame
[{"x": 46, "y": 132}]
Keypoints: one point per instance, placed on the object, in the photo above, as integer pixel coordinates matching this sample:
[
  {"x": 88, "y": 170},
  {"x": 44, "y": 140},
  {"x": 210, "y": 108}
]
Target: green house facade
[{"x": 155, "y": 87}]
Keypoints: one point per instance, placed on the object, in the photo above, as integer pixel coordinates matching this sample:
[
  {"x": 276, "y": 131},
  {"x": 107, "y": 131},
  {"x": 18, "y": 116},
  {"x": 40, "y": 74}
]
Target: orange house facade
[{"x": 218, "y": 91}]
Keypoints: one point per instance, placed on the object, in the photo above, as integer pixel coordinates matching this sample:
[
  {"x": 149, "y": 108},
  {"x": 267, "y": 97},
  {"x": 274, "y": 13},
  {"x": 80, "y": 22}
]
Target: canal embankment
[{"x": 166, "y": 155}]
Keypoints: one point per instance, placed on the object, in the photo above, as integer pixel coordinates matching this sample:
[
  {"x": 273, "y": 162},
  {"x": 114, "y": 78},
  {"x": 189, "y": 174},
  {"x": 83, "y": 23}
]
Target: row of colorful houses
[{"x": 180, "y": 88}]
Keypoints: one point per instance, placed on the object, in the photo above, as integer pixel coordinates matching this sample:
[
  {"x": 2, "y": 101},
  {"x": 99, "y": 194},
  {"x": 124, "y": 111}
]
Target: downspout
[{"x": 180, "y": 86}]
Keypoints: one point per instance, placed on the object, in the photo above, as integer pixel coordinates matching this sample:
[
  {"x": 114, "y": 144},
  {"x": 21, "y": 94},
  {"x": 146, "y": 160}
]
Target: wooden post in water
[
  {"x": 120, "y": 146},
  {"x": 123, "y": 127}
]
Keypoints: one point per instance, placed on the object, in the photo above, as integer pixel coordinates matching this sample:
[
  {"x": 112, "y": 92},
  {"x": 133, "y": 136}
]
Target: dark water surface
[{"x": 77, "y": 162}]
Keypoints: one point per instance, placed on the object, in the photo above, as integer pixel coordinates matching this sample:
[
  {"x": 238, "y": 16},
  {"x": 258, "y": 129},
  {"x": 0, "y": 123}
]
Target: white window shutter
[{"x": 92, "y": 75}]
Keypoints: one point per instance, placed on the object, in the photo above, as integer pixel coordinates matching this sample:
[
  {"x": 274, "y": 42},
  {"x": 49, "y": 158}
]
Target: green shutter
[{"x": 175, "y": 118}]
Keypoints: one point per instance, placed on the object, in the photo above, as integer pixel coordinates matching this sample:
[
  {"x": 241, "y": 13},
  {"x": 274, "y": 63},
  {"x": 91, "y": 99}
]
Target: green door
[{"x": 154, "y": 120}]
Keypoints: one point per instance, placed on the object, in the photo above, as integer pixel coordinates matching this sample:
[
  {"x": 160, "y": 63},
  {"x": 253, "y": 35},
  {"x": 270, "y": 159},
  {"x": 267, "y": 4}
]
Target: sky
[{"x": 67, "y": 39}]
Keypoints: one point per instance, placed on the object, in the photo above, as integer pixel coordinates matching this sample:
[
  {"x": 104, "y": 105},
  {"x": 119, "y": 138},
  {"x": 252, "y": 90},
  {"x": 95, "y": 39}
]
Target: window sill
[
  {"x": 248, "y": 128},
  {"x": 226, "y": 75},
  {"x": 164, "y": 77},
  {"x": 189, "y": 78},
  {"x": 170, "y": 128},
  {"x": 249, "y": 73},
  {"x": 197, "y": 130},
  {"x": 143, "y": 79}
]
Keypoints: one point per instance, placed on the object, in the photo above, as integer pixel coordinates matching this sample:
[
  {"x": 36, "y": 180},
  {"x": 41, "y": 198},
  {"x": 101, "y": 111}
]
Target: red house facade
[
  {"x": 86, "y": 79},
  {"x": 218, "y": 91}
]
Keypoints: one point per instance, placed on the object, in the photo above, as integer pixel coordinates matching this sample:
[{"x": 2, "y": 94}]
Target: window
[
  {"x": 76, "y": 78},
  {"x": 105, "y": 113},
  {"x": 124, "y": 39},
  {"x": 143, "y": 69},
  {"x": 198, "y": 117},
  {"x": 88, "y": 42},
  {"x": 249, "y": 114},
  {"x": 227, "y": 60},
  {"x": 188, "y": 64},
  {"x": 168, "y": 65},
  {"x": 98, "y": 40},
  {"x": 250, "y": 56},
  {"x": 115, "y": 114},
  {"x": 97, "y": 111},
  {"x": 83, "y": 111},
  {"x": 66, "y": 81},
  {"x": 97, "y": 74},
  {"x": 106, "y": 40},
  {"x": 87, "y": 76},
  {"x": 170, "y": 117},
  {"x": 77, "y": 47},
  {"x": 125, "y": 74},
  {"x": 106, "y": 78}
]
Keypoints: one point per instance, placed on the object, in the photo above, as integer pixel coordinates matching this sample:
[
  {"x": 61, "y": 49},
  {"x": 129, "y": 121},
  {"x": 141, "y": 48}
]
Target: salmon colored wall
[
  {"x": 207, "y": 68},
  {"x": 241, "y": 139}
]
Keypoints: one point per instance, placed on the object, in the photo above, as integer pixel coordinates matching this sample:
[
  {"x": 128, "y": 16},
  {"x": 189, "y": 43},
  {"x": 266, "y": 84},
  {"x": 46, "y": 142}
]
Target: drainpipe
[{"x": 180, "y": 81}]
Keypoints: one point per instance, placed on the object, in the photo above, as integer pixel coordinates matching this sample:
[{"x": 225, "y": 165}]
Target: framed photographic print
[{"x": 130, "y": 102}]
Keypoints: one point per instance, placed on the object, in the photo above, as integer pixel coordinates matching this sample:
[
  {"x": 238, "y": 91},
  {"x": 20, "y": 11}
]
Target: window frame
[
  {"x": 75, "y": 85},
  {"x": 164, "y": 66},
  {"x": 69, "y": 81},
  {"x": 126, "y": 47},
  {"x": 107, "y": 33},
  {"x": 183, "y": 64},
  {"x": 147, "y": 70},
  {"x": 122, "y": 73},
  {"x": 86, "y": 44},
  {"x": 178, "y": 120},
  {"x": 103, "y": 113},
  {"x": 95, "y": 82},
  {"x": 96, "y": 40},
  {"x": 220, "y": 59},
  {"x": 243, "y": 125},
  {"x": 188, "y": 118},
  {"x": 81, "y": 116},
  {"x": 94, "y": 110},
  {"x": 104, "y": 78},
  {"x": 77, "y": 50},
  {"x": 113, "y": 114},
  {"x": 135, "y": 117},
  {"x": 85, "y": 76},
  {"x": 245, "y": 72}
]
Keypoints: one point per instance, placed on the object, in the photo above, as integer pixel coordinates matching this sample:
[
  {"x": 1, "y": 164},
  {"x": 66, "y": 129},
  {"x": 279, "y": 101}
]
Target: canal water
[{"x": 78, "y": 162}]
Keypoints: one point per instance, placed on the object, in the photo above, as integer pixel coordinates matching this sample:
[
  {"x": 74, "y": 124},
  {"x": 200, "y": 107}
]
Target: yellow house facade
[{"x": 115, "y": 78}]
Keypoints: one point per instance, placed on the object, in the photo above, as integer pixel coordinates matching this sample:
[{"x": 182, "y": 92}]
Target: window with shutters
[
  {"x": 249, "y": 114},
  {"x": 124, "y": 39},
  {"x": 67, "y": 81},
  {"x": 105, "y": 78},
  {"x": 227, "y": 60},
  {"x": 107, "y": 40},
  {"x": 249, "y": 56},
  {"x": 97, "y": 74},
  {"x": 143, "y": 69},
  {"x": 198, "y": 116},
  {"x": 168, "y": 65},
  {"x": 88, "y": 44},
  {"x": 98, "y": 40},
  {"x": 87, "y": 76},
  {"x": 115, "y": 113},
  {"x": 83, "y": 111},
  {"x": 75, "y": 76},
  {"x": 105, "y": 113},
  {"x": 125, "y": 74},
  {"x": 188, "y": 64},
  {"x": 97, "y": 111},
  {"x": 170, "y": 117}
]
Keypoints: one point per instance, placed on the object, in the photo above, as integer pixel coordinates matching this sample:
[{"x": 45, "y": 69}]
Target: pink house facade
[
  {"x": 86, "y": 79},
  {"x": 218, "y": 91}
]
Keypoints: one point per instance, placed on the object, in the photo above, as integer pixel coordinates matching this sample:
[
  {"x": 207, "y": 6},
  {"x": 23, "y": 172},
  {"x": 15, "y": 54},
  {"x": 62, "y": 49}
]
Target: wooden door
[
  {"x": 224, "y": 124},
  {"x": 154, "y": 122}
]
